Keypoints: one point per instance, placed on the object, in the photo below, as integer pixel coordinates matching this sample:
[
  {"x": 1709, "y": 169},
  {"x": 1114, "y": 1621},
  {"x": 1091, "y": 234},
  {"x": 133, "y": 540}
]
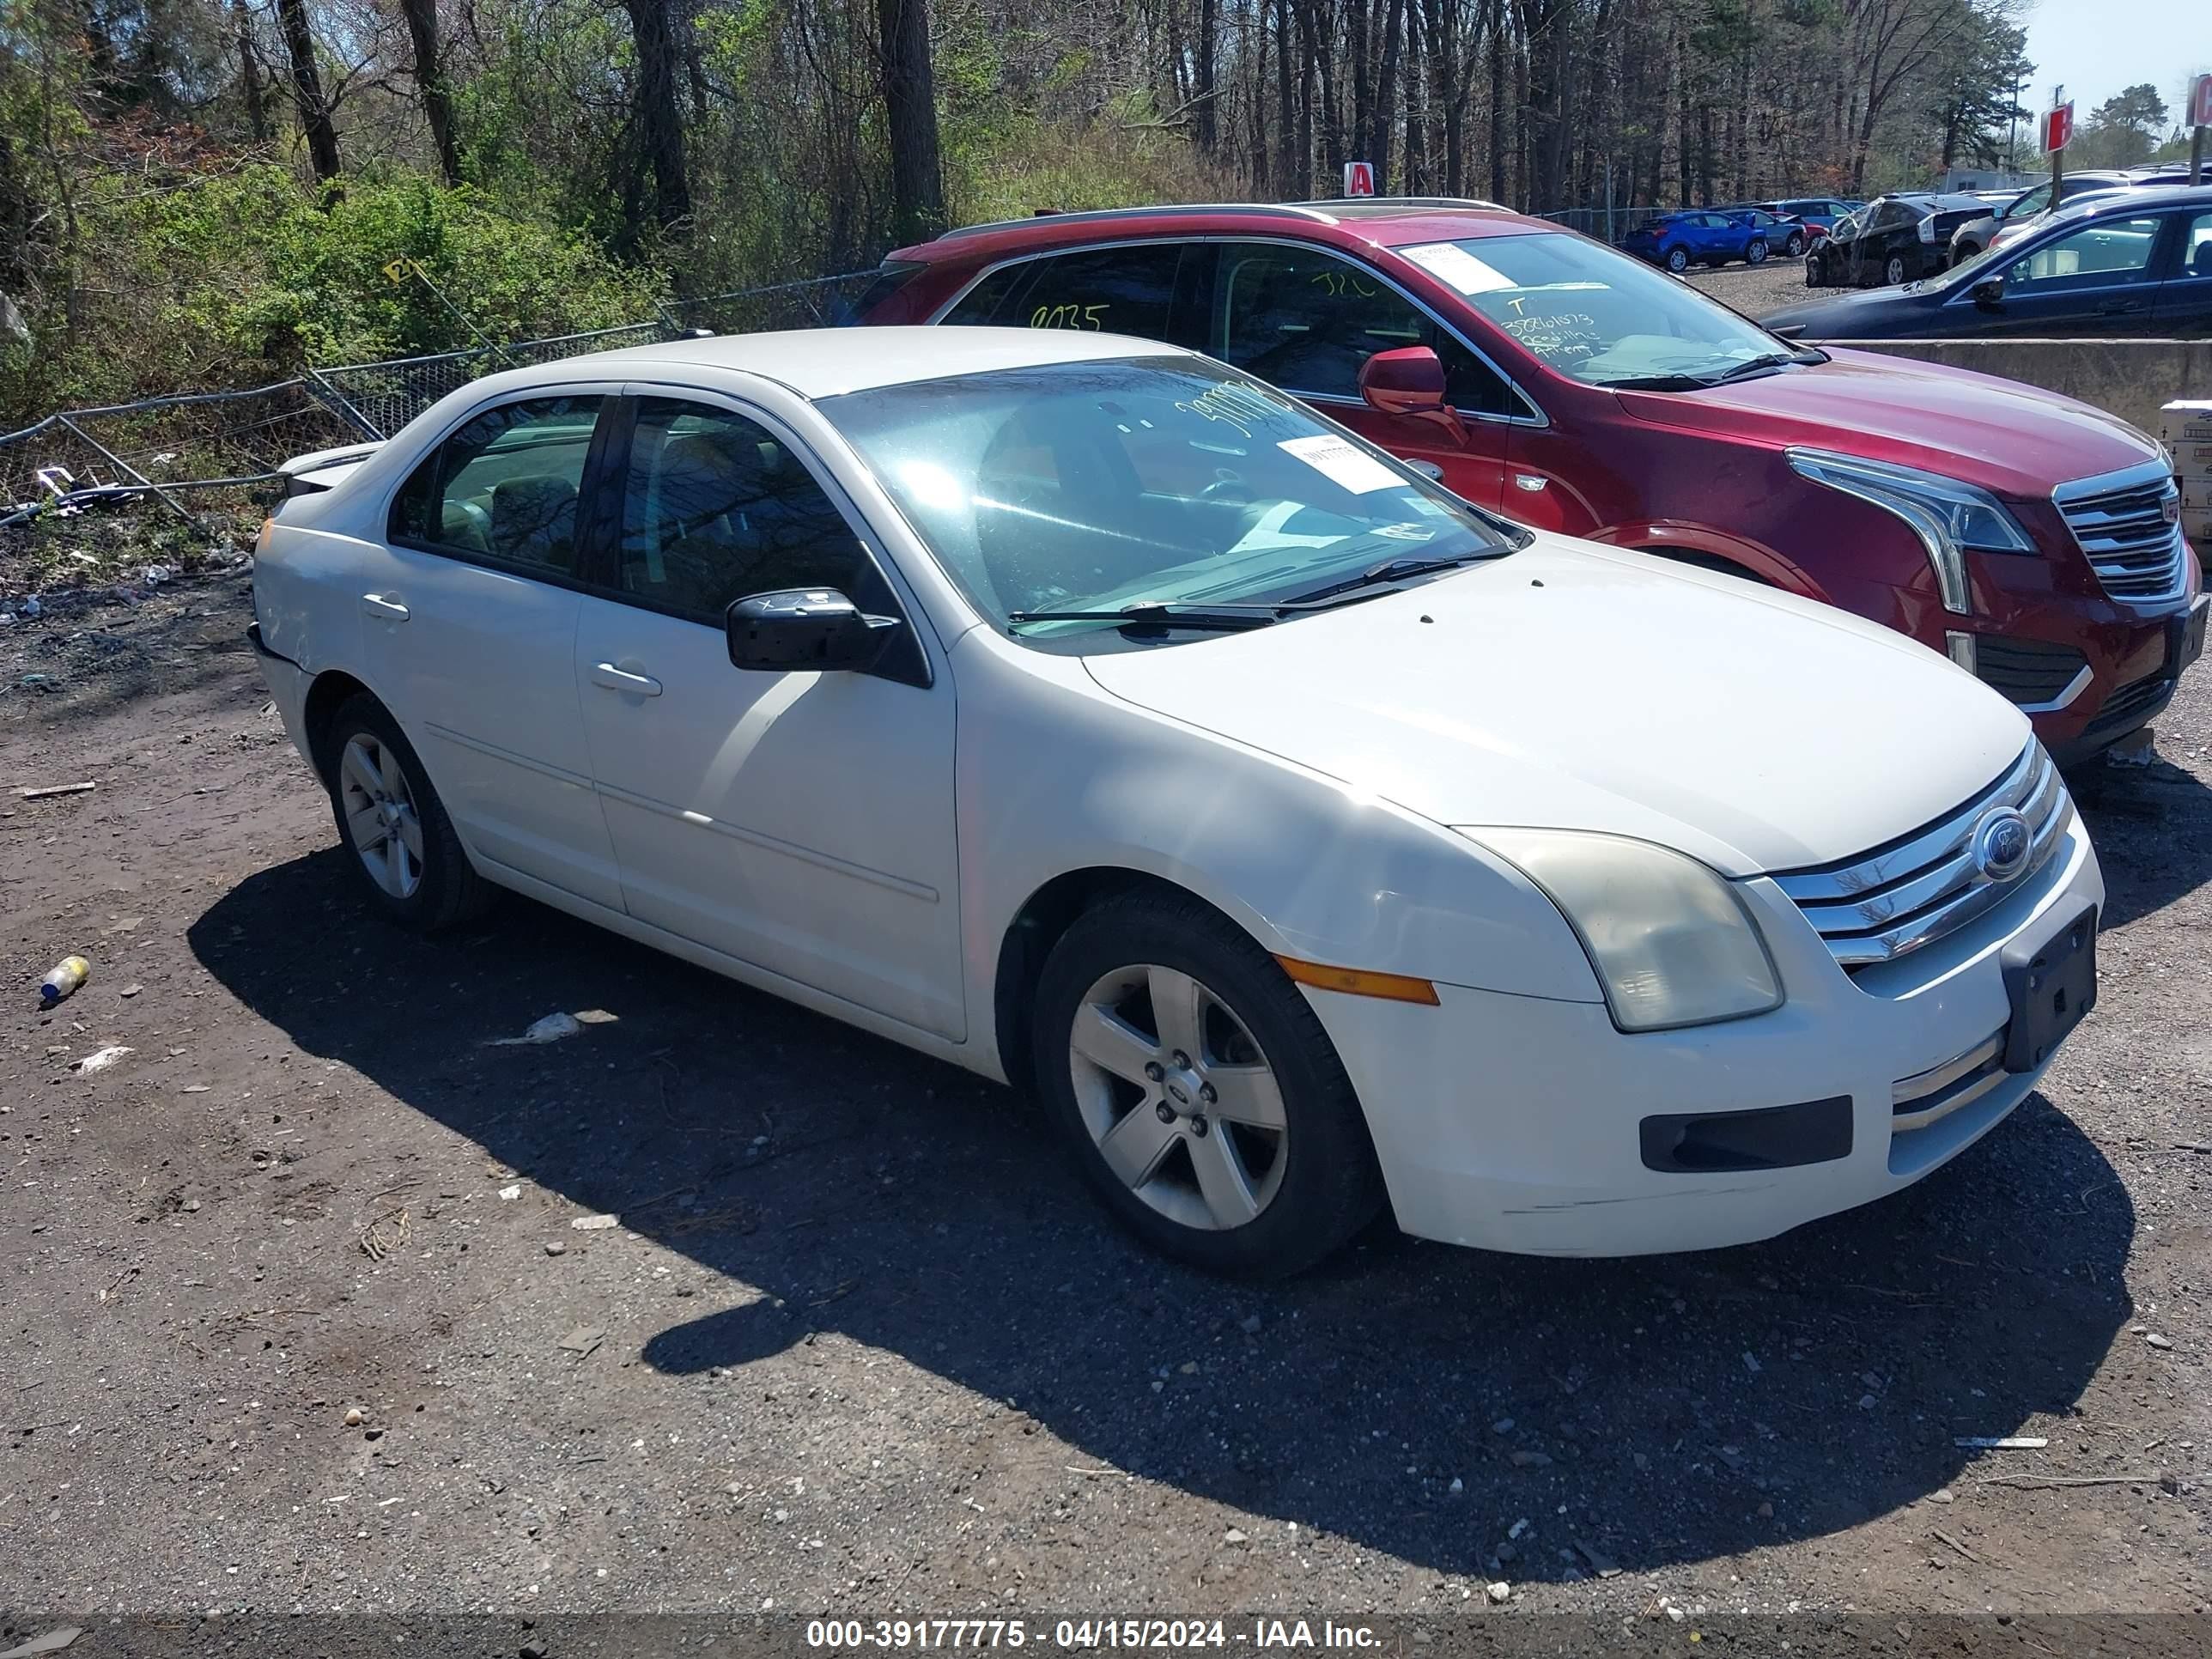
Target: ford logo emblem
[{"x": 2001, "y": 845}]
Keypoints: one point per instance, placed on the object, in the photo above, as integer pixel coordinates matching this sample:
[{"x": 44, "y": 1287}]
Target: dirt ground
[
  {"x": 1756, "y": 290},
  {"x": 720, "y": 1306}
]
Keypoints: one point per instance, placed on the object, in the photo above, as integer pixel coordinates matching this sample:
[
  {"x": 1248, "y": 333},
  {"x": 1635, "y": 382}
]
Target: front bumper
[{"x": 1518, "y": 1123}]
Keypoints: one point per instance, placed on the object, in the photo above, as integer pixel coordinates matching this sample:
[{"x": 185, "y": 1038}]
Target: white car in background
[{"x": 1085, "y": 713}]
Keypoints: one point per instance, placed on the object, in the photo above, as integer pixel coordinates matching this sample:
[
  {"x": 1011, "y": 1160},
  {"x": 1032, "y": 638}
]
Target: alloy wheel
[
  {"x": 1895, "y": 270},
  {"x": 380, "y": 813},
  {"x": 1178, "y": 1098},
  {"x": 1756, "y": 253}
]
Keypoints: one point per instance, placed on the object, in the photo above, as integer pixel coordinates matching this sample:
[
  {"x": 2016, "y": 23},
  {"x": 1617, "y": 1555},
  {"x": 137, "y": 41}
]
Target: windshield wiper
[
  {"x": 1391, "y": 570},
  {"x": 1755, "y": 366},
  {"x": 1655, "y": 383},
  {"x": 1222, "y": 617}
]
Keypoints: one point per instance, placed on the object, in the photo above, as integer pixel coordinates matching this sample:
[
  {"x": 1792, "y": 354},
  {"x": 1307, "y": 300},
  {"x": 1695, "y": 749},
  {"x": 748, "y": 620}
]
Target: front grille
[
  {"x": 1917, "y": 1101},
  {"x": 2127, "y": 523},
  {"x": 2027, "y": 671},
  {"x": 2133, "y": 703},
  {"x": 1914, "y": 889}
]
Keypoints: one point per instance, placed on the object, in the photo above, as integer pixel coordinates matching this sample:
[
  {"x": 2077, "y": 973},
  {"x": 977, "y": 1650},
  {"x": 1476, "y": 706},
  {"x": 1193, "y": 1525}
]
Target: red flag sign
[
  {"x": 2200, "y": 102},
  {"x": 2057, "y": 128},
  {"x": 1359, "y": 177}
]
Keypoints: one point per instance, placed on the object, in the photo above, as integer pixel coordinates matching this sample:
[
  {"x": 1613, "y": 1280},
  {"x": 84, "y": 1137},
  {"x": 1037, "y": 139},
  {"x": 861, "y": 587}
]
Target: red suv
[{"x": 2034, "y": 539}]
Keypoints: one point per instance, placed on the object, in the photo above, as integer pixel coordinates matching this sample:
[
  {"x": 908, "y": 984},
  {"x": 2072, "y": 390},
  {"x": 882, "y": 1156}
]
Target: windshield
[
  {"x": 1170, "y": 481},
  {"x": 1600, "y": 316}
]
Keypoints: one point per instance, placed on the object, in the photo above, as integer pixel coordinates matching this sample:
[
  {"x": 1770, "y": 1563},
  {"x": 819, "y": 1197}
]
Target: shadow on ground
[
  {"x": 922, "y": 1212},
  {"x": 2152, "y": 828}
]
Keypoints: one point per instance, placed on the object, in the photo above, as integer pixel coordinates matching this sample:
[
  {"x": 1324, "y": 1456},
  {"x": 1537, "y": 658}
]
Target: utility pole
[{"x": 2012, "y": 126}]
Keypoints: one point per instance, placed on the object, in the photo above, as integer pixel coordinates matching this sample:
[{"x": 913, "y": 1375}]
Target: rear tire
[
  {"x": 1678, "y": 260},
  {"x": 1249, "y": 1154},
  {"x": 402, "y": 846},
  {"x": 1756, "y": 254},
  {"x": 1893, "y": 273},
  {"x": 1795, "y": 244}
]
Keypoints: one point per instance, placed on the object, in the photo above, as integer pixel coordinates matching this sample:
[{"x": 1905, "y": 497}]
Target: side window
[
  {"x": 1113, "y": 290},
  {"x": 714, "y": 509},
  {"x": 2196, "y": 247},
  {"x": 982, "y": 303},
  {"x": 2105, "y": 254},
  {"x": 504, "y": 487},
  {"x": 1306, "y": 320},
  {"x": 2032, "y": 202}
]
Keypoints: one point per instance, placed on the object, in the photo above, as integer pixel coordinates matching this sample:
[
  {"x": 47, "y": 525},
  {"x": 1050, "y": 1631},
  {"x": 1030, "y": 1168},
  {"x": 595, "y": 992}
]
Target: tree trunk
[
  {"x": 307, "y": 90},
  {"x": 910, "y": 105},
  {"x": 1497, "y": 93},
  {"x": 1204, "y": 128},
  {"x": 1385, "y": 118},
  {"x": 249, "y": 86},
  {"x": 1286, "y": 175},
  {"x": 430, "y": 76},
  {"x": 659, "y": 127}
]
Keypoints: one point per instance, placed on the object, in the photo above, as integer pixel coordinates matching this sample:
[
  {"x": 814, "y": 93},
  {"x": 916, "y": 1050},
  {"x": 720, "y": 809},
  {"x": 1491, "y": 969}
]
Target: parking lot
[{"x": 718, "y": 1303}]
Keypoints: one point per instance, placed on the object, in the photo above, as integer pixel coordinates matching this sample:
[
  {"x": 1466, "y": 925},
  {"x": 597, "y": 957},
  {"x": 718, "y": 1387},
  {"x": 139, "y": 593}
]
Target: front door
[
  {"x": 2184, "y": 307},
  {"x": 469, "y": 631},
  {"x": 801, "y": 822},
  {"x": 1305, "y": 320},
  {"x": 2097, "y": 280}
]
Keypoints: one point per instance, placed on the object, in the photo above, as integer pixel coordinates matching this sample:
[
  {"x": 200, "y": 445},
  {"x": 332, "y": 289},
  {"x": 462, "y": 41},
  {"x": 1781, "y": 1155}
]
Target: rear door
[
  {"x": 2182, "y": 308},
  {"x": 469, "y": 622},
  {"x": 1306, "y": 319}
]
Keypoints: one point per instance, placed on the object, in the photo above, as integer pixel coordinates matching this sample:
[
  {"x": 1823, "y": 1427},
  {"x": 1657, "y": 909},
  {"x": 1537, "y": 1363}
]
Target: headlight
[
  {"x": 1947, "y": 516},
  {"x": 1671, "y": 942}
]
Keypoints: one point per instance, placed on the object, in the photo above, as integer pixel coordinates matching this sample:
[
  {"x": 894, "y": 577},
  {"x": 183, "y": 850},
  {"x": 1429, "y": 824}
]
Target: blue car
[{"x": 1698, "y": 236}]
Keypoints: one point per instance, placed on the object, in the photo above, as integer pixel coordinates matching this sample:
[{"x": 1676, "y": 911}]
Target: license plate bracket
[{"x": 2052, "y": 985}]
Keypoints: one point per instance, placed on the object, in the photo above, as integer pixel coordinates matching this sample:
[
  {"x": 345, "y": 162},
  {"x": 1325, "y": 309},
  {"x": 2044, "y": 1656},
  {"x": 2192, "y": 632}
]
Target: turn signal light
[{"x": 1360, "y": 982}]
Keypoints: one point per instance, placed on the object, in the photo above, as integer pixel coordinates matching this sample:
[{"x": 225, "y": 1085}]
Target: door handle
[
  {"x": 620, "y": 679},
  {"x": 383, "y": 609},
  {"x": 2115, "y": 307}
]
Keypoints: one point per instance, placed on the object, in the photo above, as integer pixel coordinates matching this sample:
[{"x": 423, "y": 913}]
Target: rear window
[{"x": 893, "y": 276}]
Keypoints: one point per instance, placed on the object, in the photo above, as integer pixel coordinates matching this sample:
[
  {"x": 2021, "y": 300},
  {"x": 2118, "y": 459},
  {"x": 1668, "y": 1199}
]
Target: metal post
[
  {"x": 122, "y": 465},
  {"x": 2196, "y": 155},
  {"x": 343, "y": 405}
]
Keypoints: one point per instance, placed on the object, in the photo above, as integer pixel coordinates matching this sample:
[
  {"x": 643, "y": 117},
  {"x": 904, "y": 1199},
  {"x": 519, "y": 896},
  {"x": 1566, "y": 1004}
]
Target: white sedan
[{"x": 1308, "y": 842}]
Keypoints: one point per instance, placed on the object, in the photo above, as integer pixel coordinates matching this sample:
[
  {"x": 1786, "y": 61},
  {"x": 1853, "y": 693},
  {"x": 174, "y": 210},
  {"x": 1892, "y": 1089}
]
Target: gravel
[{"x": 858, "y": 1341}]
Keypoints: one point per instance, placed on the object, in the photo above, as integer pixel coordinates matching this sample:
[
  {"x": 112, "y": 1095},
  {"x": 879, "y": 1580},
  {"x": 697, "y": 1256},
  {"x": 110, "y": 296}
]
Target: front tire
[
  {"x": 1203, "y": 1099},
  {"x": 1816, "y": 272},
  {"x": 391, "y": 821}
]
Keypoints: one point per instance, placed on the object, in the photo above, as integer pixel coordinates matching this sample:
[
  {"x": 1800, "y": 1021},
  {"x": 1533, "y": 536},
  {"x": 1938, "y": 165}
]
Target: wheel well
[
  {"x": 1036, "y": 927},
  {"x": 1709, "y": 562},
  {"x": 325, "y": 698}
]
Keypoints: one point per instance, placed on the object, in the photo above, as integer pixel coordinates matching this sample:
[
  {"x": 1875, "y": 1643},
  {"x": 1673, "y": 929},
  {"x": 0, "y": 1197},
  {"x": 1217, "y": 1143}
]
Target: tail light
[{"x": 1927, "y": 229}]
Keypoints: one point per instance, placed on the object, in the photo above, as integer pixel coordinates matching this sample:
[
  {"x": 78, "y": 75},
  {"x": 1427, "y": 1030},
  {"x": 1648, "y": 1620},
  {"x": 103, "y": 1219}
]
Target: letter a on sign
[{"x": 1359, "y": 177}]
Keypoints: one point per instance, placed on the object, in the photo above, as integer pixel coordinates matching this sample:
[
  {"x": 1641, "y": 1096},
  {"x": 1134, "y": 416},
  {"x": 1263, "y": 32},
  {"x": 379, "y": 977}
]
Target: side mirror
[
  {"x": 798, "y": 628},
  {"x": 1989, "y": 294},
  {"x": 1409, "y": 383}
]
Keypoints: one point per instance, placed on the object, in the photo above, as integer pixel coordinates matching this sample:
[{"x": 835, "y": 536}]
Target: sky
[{"x": 2098, "y": 46}]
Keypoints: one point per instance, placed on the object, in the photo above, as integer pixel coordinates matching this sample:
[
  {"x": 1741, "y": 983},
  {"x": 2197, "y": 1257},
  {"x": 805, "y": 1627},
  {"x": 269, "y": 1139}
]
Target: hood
[
  {"x": 1571, "y": 686},
  {"x": 2013, "y": 439}
]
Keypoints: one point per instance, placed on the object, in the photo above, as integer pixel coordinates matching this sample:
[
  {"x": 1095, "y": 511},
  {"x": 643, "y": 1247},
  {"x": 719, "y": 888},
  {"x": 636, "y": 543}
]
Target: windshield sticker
[
  {"x": 1458, "y": 267},
  {"x": 1342, "y": 463}
]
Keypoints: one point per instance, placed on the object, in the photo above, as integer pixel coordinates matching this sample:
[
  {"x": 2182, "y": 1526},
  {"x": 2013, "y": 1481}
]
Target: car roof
[
  {"x": 2136, "y": 199},
  {"x": 828, "y": 362},
  {"x": 1381, "y": 221}
]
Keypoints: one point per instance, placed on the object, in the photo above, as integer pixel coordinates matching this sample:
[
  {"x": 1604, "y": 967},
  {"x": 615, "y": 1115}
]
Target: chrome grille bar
[
  {"x": 1925, "y": 884},
  {"x": 2128, "y": 524}
]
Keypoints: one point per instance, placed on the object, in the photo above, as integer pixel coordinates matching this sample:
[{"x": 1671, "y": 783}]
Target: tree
[
  {"x": 658, "y": 125},
  {"x": 2126, "y": 127},
  {"x": 910, "y": 108}
]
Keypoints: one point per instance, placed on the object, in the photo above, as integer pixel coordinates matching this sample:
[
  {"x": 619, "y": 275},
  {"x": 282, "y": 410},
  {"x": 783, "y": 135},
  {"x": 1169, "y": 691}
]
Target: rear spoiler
[{"x": 324, "y": 469}]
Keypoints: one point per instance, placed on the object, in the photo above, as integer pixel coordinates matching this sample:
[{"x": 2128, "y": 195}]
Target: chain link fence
[{"x": 171, "y": 448}]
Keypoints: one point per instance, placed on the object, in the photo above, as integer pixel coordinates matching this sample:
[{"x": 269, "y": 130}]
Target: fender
[{"x": 1662, "y": 534}]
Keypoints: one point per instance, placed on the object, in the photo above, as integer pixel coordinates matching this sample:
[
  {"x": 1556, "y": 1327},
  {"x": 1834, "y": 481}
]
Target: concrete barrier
[{"x": 2133, "y": 379}]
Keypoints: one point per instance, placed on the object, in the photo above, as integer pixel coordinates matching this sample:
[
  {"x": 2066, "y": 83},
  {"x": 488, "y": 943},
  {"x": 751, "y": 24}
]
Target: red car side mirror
[{"x": 1409, "y": 382}]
